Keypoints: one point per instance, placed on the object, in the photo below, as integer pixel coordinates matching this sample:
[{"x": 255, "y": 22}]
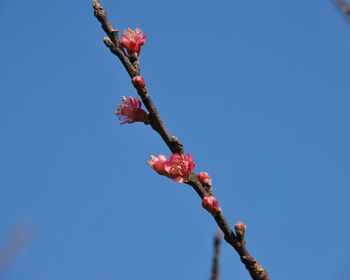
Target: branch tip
[
  {"x": 97, "y": 5},
  {"x": 218, "y": 234}
]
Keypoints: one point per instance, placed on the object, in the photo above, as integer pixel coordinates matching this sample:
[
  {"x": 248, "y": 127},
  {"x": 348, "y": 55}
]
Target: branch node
[
  {"x": 248, "y": 260},
  {"x": 175, "y": 142},
  {"x": 115, "y": 37}
]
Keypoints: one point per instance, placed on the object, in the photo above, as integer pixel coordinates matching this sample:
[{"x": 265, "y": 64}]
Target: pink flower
[
  {"x": 133, "y": 40},
  {"x": 138, "y": 82},
  {"x": 179, "y": 167},
  {"x": 204, "y": 178},
  {"x": 157, "y": 163},
  {"x": 211, "y": 204},
  {"x": 130, "y": 111}
]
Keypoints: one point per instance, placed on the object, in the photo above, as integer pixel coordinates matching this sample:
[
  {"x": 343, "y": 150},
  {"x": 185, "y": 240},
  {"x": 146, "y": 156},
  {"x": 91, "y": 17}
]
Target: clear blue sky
[{"x": 258, "y": 91}]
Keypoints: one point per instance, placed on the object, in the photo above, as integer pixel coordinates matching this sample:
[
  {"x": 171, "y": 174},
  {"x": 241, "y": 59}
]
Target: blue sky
[{"x": 258, "y": 92}]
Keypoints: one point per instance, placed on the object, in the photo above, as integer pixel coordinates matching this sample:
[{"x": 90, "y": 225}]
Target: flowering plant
[{"x": 180, "y": 166}]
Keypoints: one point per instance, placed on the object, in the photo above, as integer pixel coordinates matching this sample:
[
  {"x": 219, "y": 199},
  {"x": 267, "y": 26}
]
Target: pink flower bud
[
  {"x": 179, "y": 167},
  {"x": 240, "y": 228},
  {"x": 133, "y": 40},
  {"x": 129, "y": 111},
  {"x": 157, "y": 163},
  {"x": 211, "y": 204},
  {"x": 138, "y": 82},
  {"x": 204, "y": 178}
]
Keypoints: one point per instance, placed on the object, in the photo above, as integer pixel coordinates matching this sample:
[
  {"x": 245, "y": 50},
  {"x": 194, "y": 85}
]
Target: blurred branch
[
  {"x": 215, "y": 268},
  {"x": 14, "y": 245},
  {"x": 344, "y": 7},
  {"x": 131, "y": 65}
]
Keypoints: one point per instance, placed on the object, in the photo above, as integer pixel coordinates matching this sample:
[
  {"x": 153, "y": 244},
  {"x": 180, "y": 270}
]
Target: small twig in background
[
  {"x": 14, "y": 245},
  {"x": 215, "y": 273}
]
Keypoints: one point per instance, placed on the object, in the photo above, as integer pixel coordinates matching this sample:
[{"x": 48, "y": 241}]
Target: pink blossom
[
  {"x": 157, "y": 163},
  {"x": 204, "y": 178},
  {"x": 211, "y": 204},
  {"x": 179, "y": 167},
  {"x": 133, "y": 40},
  {"x": 139, "y": 82},
  {"x": 130, "y": 111}
]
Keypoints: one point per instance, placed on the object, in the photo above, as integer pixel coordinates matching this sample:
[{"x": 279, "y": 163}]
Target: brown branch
[
  {"x": 256, "y": 271},
  {"x": 215, "y": 269},
  {"x": 13, "y": 247}
]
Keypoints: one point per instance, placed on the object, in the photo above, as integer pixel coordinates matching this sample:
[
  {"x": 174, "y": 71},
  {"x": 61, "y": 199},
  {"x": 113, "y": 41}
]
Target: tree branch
[
  {"x": 256, "y": 271},
  {"x": 112, "y": 41},
  {"x": 157, "y": 124},
  {"x": 215, "y": 269}
]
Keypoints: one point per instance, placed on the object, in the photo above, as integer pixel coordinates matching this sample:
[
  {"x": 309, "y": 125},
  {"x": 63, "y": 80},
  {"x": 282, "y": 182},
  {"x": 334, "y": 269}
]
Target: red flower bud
[
  {"x": 240, "y": 228},
  {"x": 211, "y": 204},
  {"x": 204, "y": 178},
  {"x": 138, "y": 82}
]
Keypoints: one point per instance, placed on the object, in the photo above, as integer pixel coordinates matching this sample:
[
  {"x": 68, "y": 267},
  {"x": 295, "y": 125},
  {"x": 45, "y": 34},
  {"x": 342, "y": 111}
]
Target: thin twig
[
  {"x": 256, "y": 271},
  {"x": 13, "y": 247},
  {"x": 215, "y": 268}
]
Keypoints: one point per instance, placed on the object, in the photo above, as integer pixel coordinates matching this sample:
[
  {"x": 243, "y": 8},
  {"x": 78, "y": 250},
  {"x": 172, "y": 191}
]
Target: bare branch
[
  {"x": 215, "y": 269},
  {"x": 13, "y": 247},
  {"x": 131, "y": 65}
]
